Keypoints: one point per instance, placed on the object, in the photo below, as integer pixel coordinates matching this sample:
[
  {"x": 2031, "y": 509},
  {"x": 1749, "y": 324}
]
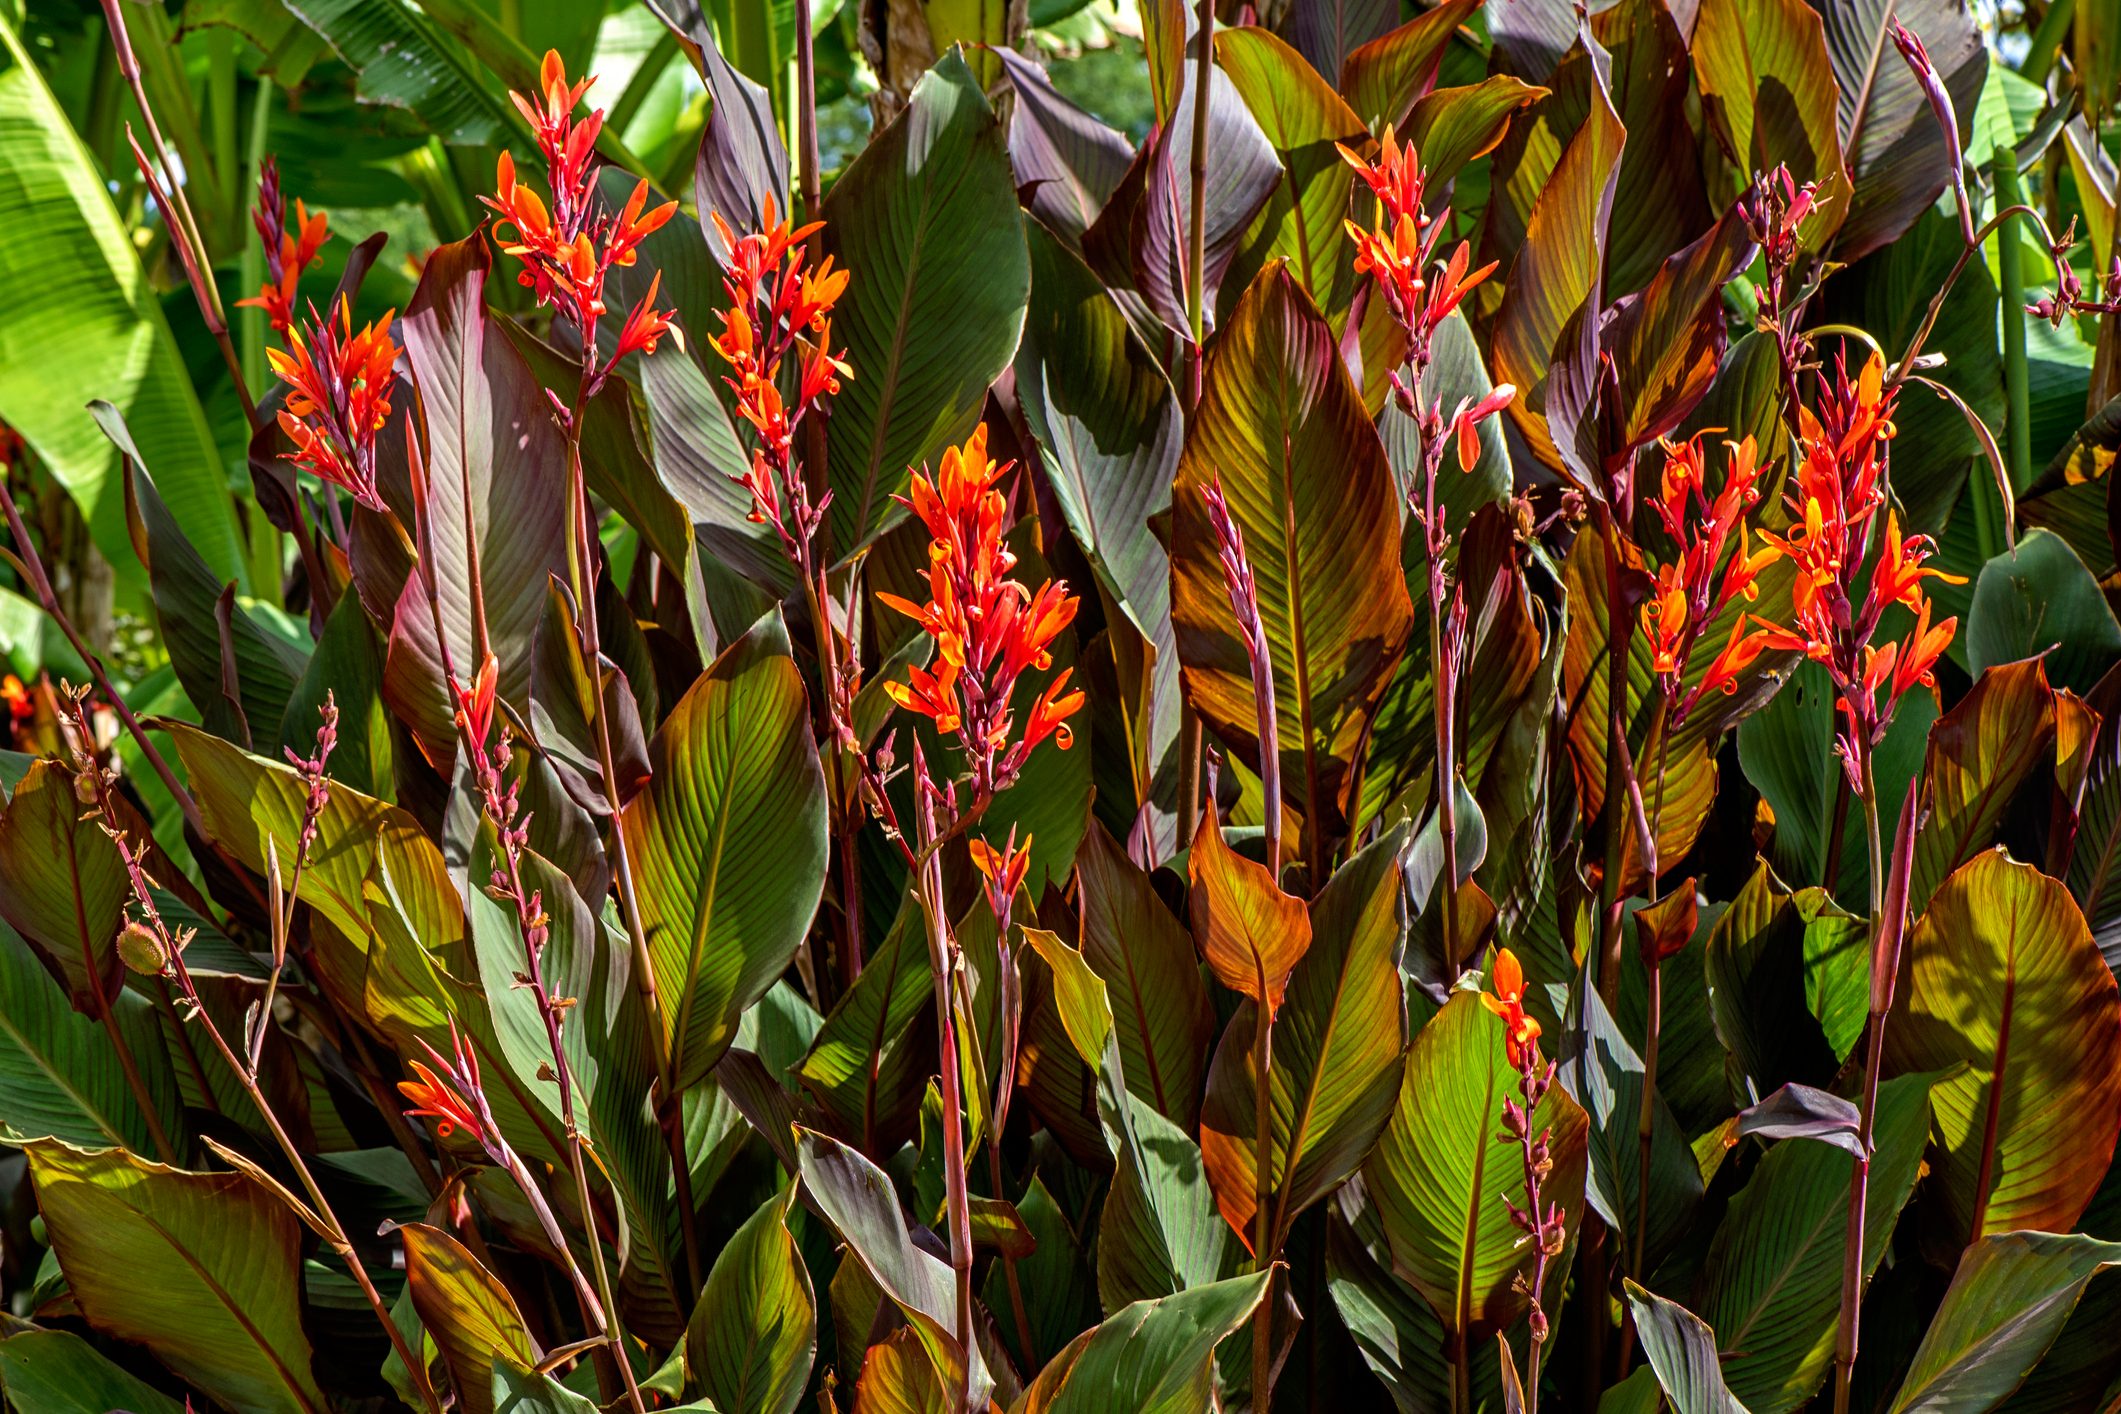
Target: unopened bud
[{"x": 141, "y": 950}]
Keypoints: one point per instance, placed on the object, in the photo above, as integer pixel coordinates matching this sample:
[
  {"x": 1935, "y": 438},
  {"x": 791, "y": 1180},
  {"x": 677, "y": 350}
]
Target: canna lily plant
[{"x": 1431, "y": 723}]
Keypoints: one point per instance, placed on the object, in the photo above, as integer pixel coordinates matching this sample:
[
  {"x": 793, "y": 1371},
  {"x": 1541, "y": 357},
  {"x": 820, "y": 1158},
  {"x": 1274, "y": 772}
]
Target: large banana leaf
[
  {"x": 202, "y": 1269},
  {"x": 84, "y": 323},
  {"x": 926, "y": 220},
  {"x": 1440, "y": 1176},
  {"x": 728, "y": 844},
  {"x": 1282, "y": 427},
  {"x": 2004, "y": 976}
]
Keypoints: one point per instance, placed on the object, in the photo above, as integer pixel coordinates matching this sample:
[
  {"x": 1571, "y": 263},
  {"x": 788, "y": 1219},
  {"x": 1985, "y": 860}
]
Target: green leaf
[
  {"x": 2041, "y": 600},
  {"x": 515, "y": 1391},
  {"x": 1400, "y": 1338},
  {"x": 2002, "y": 974},
  {"x": 1604, "y": 1075},
  {"x": 2007, "y": 1302},
  {"x": 466, "y": 1312},
  {"x": 202, "y": 1269},
  {"x": 1304, "y": 223},
  {"x": 862, "y": 1064},
  {"x": 1060, "y": 1298},
  {"x": 750, "y": 1343},
  {"x": 496, "y": 492},
  {"x": 1145, "y": 955},
  {"x": 728, "y": 844},
  {"x": 857, "y": 1202},
  {"x": 1281, "y": 425},
  {"x": 63, "y": 886},
  {"x": 57, "y": 1372},
  {"x": 926, "y": 219},
  {"x": 59, "y": 1072},
  {"x": 1682, "y": 1350},
  {"x": 1757, "y": 991},
  {"x": 1439, "y": 1176},
  {"x": 1786, "y": 750},
  {"x": 1159, "y": 1232},
  {"x": 403, "y": 61},
  {"x": 348, "y": 665},
  {"x": 85, "y": 323},
  {"x": 1772, "y": 1289},
  {"x": 1155, "y": 1357},
  {"x": 1336, "y": 1070}
]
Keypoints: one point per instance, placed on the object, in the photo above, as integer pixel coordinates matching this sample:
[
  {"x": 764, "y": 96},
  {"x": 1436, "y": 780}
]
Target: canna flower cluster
[
  {"x": 774, "y": 303},
  {"x": 1835, "y": 607},
  {"x": 288, "y": 250},
  {"x": 1396, "y": 251},
  {"x": 339, "y": 386},
  {"x": 988, "y": 628},
  {"x": 454, "y": 1099},
  {"x": 1690, "y": 593},
  {"x": 568, "y": 250}
]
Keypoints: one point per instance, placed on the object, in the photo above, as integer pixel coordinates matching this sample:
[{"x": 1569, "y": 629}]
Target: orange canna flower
[
  {"x": 289, "y": 251},
  {"x": 339, "y": 385},
  {"x": 1520, "y": 1031},
  {"x": 1898, "y": 578},
  {"x": 433, "y": 1098},
  {"x": 1739, "y": 653},
  {"x": 1918, "y": 660}
]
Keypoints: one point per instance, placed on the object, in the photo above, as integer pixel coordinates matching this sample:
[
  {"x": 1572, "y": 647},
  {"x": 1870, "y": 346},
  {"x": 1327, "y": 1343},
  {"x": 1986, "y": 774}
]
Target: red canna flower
[
  {"x": 16, "y": 696},
  {"x": 988, "y": 629},
  {"x": 1002, "y": 872},
  {"x": 1835, "y": 607},
  {"x": 474, "y": 714},
  {"x": 569, "y": 249},
  {"x": 775, "y": 300},
  {"x": 1713, "y": 566},
  {"x": 288, "y": 251},
  {"x": 1396, "y": 250},
  {"x": 1520, "y": 1031},
  {"x": 453, "y": 1099},
  {"x": 339, "y": 387}
]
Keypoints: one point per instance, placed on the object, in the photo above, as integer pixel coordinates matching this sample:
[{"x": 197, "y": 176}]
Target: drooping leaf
[
  {"x": 1308, "y": 484},
  {"x": 2006, "y": 1304},
  {"x": 466, "y": 1311},
  {"x": 1682, "y": 1350},
  {"x": 63, "y": 886},
  {"x": 1772, "y": 1285},
  {"x": 749, "y": 1346},
  {"x": 1070, "y": 162},
  {"x": 926, "y": 218},
  {"x": 1251, "y": 933},
  {"x": 202, "y": 1269},
  {"x": 728, "y": 844},
  {"x": 2003, "y": 975},
  {"x": 857, "y": 1201},
  {"x": 87, "y": 324},
  {"x": 1336, "y": 1071},
  {"x": 1897, "y": 155},
  {"x": 496, "y": 494},
  {"x": 1439, "y": 1175}
]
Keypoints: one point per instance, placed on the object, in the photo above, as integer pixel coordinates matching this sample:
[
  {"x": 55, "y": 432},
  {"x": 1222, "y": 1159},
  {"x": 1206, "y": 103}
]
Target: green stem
[
  {"x": 1847, "y": 1332},
  {"x": 2018, "y": 430}
]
